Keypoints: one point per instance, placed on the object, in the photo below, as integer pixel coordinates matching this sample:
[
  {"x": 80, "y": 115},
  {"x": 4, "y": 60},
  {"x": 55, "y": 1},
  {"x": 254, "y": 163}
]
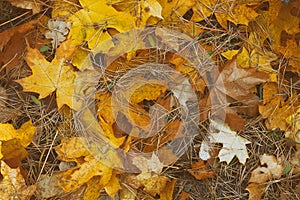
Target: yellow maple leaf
[
  {"x": 284, "y": 21},
  {"x": 55, "y": 76},
  {"x": 141, "y": 10},
  {"x": 275, "y": 108},
  {"x": 89, "y": 169},
  {"x": 237, "y": 13},
  {"x": 91, "y": 23},
  {"x": 13, "y": 141}
]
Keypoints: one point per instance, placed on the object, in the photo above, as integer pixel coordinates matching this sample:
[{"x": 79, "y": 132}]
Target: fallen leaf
[
  {"x": 261, "y": 175},
  {"x": 14, "y": 141},
  {"x": 152, "y": 186},
  {"x": 141, "y": 10},
  {"x": 58, "y": 29},
  {"x": 200, "y": 170},
  {"x": 255, "y": 190},
  {"x": 148, "y": 166},
  {"x": 47, "y": 186},
  {"x": 64, "y": 9},
  {"x": 100, "y": 16},
  {"x": 240, "y": 13},
  {"x": 276, "y": 108},
  {"x": 12, "y": 184},
  {"x": 167, "y": 193},
  {"x": 237, "y": 82},
  {"x": 33, "y": 5},
  {"x": 233, "y": 145},
  {"x": 55, "y": 76},
  {"x": 12, "y": 57},
  {"x": 184, "y": 195}
]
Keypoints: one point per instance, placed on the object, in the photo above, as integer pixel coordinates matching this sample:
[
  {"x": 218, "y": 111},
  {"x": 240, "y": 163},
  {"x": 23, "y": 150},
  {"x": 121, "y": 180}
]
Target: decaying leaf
[
  {"x": 12, "y": 184},
  {"x": 55, "y": 76},
  {"x": 263, "y": 174},
  {"x": 233, "y": 144},
  {"x": 58, "y": 29}
]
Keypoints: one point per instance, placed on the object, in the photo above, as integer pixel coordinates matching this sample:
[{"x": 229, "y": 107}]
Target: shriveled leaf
[
  {"x": 58, "y": 29},
  {"x": 263, "y": 174}
]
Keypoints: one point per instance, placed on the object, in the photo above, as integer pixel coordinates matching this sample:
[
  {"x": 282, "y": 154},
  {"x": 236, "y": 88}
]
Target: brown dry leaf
[
  {"x": 55, "y": 76},
  {"x": 235, "y": 83},
  {"x": 33, "y": 5},
  {"x": 261, "y": 175},
  {"x": 255, "y": 191},
  {"x": 10, "y": 56},
  {"x": 238, "y": 82},
  {"x": 200, "y": 170},
  {"x": 12, "y": 184},
  {"x": 275, "y": 108}
]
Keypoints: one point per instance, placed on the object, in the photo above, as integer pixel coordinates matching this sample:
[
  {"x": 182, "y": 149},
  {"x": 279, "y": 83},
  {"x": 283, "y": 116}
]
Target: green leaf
[
  {"x": 44, "y": 48},
  {"x": 151, "y": 40},
  {"x": 286, "y": 170},
  {"x": 35, "y": 100}
]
